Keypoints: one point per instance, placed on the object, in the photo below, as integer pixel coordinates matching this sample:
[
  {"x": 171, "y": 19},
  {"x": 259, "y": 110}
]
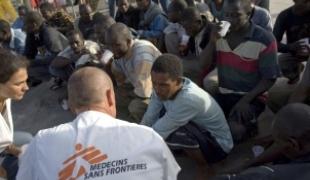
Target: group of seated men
[{"x": 206, "y": 122}]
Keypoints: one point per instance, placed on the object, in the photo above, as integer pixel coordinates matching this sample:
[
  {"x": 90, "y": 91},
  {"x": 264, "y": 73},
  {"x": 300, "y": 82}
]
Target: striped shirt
[
  {"x": 136, "y": 66},
  {"x": 241, "y": 69}
]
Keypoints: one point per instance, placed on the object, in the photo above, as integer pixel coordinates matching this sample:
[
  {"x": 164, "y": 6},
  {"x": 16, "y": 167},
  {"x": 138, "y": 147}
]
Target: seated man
[
  {"x": 127, "y": 14},
  {"x": 246, "y": 60},
  {"x": 43, "y": 43},
  {"x": 96, "y": 145},
  {"x": 76, "y": 54},
  {"x": 40, "y": 36},
  {"x": 19, "y": 22},
  {"x": 176, "y": 38},
  {"x": 58, "y": 19},
  {"x": 185, "y": 115},
  {"x": 133, "y": 63},
  {"x": 295, "y": 23},
  {"x": 152, "y": 22},
  {"x": 259, "y": 15},
  {"x": 13, "y": 39},
  {"x": 301, "y": 93},
  {"x": 290, "y": 151},
  {"x": 86, "y": 23}
]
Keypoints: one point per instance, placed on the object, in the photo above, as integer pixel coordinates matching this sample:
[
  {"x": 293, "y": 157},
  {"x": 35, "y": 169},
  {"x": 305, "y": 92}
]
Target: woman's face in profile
[{"x": 16, "y": 86}]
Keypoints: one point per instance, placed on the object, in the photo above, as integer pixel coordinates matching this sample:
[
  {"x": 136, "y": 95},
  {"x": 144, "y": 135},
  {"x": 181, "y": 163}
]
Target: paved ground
[{"x": 40, "y": 109}]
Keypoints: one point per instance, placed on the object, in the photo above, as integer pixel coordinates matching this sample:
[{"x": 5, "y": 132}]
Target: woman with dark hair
[{"x": 13, "y": 85}]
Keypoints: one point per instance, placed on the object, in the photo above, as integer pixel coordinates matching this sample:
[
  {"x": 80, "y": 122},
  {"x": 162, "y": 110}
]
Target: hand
[
  {"x": 296, "y": 46},
  {"x": 183, "y": 49},
  {"x": 215, "y": 29},
  {"x": 12, "y": 149},
  {"x": 242, "y": 111},
  {"x": 3, "y": 173},
  {"x": 303, "y": 52}
]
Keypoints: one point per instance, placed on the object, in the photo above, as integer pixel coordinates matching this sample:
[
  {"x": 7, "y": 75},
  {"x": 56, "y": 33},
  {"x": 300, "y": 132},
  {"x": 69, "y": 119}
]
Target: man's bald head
[
  {"x": 293, "y": 121},
  {"x": 119, "y": 30},
  {"x": 89, "y": 87},
  {"x": 118, "y": 39}
]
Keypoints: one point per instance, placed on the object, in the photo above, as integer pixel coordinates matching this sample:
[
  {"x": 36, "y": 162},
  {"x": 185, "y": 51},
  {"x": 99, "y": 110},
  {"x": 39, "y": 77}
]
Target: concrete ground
[{"x": 40, "y": 109}]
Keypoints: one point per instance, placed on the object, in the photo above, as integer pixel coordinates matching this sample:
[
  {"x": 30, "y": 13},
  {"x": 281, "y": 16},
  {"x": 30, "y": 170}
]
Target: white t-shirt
[
  {"x": 97, "y": 146},
  {"x": 6, "y": 126}
]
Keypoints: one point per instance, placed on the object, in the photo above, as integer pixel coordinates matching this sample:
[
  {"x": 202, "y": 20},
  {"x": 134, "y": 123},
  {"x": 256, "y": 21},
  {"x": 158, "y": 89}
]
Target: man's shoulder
[
  {"x": 285, "y": 12},
  {"x": 191, "y": 94},
  {"x": 261, "y": 35},
  {"x": 142, "y": 48}
]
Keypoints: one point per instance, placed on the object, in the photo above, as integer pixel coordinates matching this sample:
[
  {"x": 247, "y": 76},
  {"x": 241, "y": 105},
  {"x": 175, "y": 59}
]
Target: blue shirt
[
  {"x": 18, "y": 39},
  {"x": 19, "y": 23},
  {"x": 156, "y": 28},
  {"x": 190, "y": 104}
]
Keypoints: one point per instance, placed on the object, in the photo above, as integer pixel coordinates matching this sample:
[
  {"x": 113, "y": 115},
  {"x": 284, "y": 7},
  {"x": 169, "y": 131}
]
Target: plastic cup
[
  {"x": 257, "y": 150},
  {"x": 225, "y": 27},
  {"x": 184, "y": 39},
  {"x": 305, "y": 43},
  {"x": 106, "y": 56}
]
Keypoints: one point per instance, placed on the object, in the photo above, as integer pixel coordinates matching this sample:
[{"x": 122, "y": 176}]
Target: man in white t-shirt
[{"x": 96, "y": 145}]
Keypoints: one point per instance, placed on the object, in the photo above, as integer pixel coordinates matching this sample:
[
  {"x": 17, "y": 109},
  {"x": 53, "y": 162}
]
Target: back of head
[
  {"x": 177, "y": 6},
  {"x": 9, "y": 64},
  {"x": 170, "y": 64},
  {"x": 293, "y": 121},
  {"x": 88, "y": 87},
  {"x": 191, "y": 14},
  {"x": 5, "y": 28},
  {"x": 34, "y": 17},
  {"x": 75, "y": 32},
  {"x": 47, "y": 7},
  {"x": 85, "y": 8},
  {"x": 104, "y": 21}
]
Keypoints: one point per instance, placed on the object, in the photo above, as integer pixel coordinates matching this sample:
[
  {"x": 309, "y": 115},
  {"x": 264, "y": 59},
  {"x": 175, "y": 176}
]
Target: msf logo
[{"x": 91, "y": 155}]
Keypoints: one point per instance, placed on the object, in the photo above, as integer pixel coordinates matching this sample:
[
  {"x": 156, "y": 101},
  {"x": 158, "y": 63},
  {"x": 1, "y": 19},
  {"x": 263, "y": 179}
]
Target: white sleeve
[
  {"x": 27, "y": 163},
  {"x": 170, "y": 165}
]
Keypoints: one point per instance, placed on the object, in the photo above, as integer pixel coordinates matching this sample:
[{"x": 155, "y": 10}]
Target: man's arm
[
  {"x": 52, "y": 41},
  {"x": 143, "y": 83},
  {"x": 302, "y": 91},
  {"x": 156, "y": 27},
  {"x": 279, "y": 30},
  {"x": 30, "y": 47},
  {"x": 153, "y": 111},
  {"x": 28, "y": 162},
  {"x": 119, "y": 77},
  {"x": 208, "y": 55},
  {"x": 179, "y": 115},
  {"x": 63, "y": 59}
]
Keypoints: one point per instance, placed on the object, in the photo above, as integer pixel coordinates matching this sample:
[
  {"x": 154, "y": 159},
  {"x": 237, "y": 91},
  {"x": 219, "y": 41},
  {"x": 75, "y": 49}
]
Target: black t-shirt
[
  {"x": 130, "y": 18},
  {"x": 295, "y": 27}
]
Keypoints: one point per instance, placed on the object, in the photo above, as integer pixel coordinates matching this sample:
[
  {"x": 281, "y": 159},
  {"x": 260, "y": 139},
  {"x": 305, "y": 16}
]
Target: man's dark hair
[
  {"x": 74, "y": 32},
  {"x": 4, "y": 29},
  {"x": 100, "y": 19},
  {"x": 10, "y": 63},
  {"x": 34, "y": 17},
  {"x": 177, "y": 6},
  {"x": 191, "y": 14},
  {"x": 22, "y": 7},
  {"x": 85, "y": 7},
  {"x": 47, "y": 6},
  {"x": 170, "y": 64}
]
